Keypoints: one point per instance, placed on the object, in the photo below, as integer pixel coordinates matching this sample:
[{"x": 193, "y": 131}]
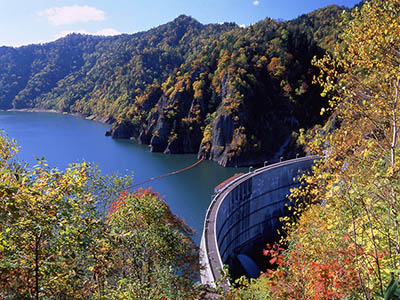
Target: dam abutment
[{"x": 244, "y": 215}]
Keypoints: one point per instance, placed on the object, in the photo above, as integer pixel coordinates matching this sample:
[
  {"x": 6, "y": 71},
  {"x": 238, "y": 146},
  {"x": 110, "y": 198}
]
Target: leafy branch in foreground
[
  {"x": 55, "y": 243},
  {"x": 346, "y": 244},
  {"x": 356, "y": 221}
]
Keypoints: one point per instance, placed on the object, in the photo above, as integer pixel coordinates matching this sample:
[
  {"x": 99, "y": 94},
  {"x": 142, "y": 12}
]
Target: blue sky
[{"x": 36, "y": 21}]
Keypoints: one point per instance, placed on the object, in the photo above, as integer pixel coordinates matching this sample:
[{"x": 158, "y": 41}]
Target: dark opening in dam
[{"x": 244, "y": 215}]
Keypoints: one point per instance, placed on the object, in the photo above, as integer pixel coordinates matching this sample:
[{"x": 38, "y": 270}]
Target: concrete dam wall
[{"x": 244, "y": 215}]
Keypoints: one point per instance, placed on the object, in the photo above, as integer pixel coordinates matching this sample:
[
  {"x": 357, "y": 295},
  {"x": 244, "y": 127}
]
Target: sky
[{"x": 25, "y": 22}]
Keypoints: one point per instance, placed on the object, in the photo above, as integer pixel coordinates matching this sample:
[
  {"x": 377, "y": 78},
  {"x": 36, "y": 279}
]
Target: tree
[
  {"x": 364, "y": 169},
  {"x": 346, "y": 244},
  {"x": 156, "y": 256},
  {"x": 354, "y": 192},
  {"x": 57, "y": 243},
  {"x": 48, "y": 225}
]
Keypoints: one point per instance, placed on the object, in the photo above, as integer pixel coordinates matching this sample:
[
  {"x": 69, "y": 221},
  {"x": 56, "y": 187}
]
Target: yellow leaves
[
  {"x": 284, "y": 219},
  {"x": 207, "y": 136},
  {"x": 389, "y": 172},
  {"x": 356, "y": 186}
]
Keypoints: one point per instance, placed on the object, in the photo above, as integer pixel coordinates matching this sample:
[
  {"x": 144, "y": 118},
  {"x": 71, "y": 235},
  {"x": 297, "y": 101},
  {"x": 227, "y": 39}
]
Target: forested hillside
[
  {"x": 235, "y": 95},
  {"x": 344, "y": 239}
]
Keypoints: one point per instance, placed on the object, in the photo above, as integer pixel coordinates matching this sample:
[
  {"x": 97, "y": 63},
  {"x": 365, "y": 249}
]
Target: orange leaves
[
  {"x": 207, "y": 134},
  {"x": 299, "y": 277},
  {"x": 158, "y": 245},
  {"x": 276, "y": 68},
  {"x": 116, "y": 204},
  {"x": 357, "y": 182},
  {"x": 239, "y": 140},
  {"x": 275, "y": 252}
]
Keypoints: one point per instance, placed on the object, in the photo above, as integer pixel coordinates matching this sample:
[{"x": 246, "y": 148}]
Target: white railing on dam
[{"x": 245, "y": 212}]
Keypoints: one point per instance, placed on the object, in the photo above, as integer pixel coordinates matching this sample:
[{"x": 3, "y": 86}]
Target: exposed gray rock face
[
  {"x": 231, "y": 95},
  {"x": 159, "y": 140},
  {"x": 222, "y": 134},
  {"x": 248, "y": 137},
  {"x": 250, "y": 133},
  {"x": 124, "y": 130}
]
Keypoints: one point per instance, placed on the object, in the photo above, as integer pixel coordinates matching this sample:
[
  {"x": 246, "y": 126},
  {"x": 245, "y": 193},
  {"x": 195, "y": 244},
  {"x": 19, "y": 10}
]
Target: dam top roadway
[{"x": 277, "y": 178}]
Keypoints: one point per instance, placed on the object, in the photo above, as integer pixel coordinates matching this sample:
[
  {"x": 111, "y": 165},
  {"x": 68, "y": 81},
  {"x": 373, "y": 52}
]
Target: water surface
[{"x": 63, "y": 139}]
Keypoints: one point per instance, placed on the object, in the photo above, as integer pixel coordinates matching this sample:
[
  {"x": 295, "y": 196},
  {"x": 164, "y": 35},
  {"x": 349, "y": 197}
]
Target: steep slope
[{"x": 233, "y": 95}]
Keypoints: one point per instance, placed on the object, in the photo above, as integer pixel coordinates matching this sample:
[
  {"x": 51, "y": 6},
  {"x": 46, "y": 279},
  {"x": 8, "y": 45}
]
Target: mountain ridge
[{"x": 234, "y": 95}]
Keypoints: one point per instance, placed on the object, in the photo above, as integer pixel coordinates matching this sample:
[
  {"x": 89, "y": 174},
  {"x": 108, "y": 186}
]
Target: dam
[{"x": 244, "y": 215}]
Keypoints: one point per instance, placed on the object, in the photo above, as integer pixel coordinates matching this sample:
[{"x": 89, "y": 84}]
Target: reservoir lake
[{"x": 63, "y": 139}]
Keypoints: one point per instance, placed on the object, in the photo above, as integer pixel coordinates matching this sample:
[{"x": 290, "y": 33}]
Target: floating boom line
[{"x": 165, "y": 175}]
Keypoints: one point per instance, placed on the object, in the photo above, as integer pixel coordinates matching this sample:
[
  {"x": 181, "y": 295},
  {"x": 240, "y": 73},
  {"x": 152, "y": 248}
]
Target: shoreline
[{"x": 103, "y": 120}]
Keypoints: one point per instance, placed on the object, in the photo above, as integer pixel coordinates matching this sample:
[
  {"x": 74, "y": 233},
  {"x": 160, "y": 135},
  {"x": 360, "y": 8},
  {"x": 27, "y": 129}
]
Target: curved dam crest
[{"x": 244, "y": 215}]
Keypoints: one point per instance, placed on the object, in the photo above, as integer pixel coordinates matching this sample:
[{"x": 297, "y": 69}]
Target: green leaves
[
  {"x": 163, "y": 259},
  {"x": 346, "y": 244},
  {"x": 392, "y": 291},
  {"x": 56, "y": 242}
]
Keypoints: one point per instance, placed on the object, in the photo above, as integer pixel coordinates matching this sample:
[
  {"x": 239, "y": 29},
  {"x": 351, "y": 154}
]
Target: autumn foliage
[
  {"x": 346, "y": 244},
  {"x": 57, "y": 243}
]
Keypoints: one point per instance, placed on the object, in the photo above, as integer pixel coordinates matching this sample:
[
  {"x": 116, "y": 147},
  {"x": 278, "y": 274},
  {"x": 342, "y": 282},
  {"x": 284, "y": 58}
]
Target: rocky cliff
[{"x": 234, "y": 95}]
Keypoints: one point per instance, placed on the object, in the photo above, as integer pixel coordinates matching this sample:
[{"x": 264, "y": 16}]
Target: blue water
[{"x": 63, "y": 139}]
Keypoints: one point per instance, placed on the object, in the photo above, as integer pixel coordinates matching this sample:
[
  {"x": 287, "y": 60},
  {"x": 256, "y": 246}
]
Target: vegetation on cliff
[
  {"x": 231, "y": 94},
  {"x": 346, "y": 243},
  {"x": 343, "y": 242}
]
